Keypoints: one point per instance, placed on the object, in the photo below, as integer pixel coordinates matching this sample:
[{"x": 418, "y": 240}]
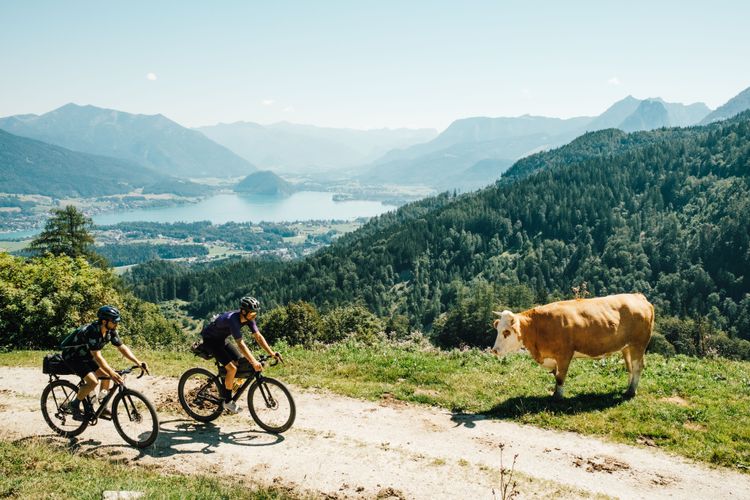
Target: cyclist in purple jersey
[{"x": 215, "y": 337}]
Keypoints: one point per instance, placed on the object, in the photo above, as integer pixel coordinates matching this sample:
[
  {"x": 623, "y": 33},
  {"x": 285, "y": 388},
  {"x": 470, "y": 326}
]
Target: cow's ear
[{"x": 494, "y": 323}]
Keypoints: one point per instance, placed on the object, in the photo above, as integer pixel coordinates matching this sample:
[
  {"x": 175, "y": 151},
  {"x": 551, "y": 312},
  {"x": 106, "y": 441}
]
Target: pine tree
[{"x": 67, "y": 233}]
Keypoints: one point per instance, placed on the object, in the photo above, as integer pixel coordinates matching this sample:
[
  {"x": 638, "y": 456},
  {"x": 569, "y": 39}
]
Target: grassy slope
[
  {"x": 693, "y": 407},
  {"x": 39, "y": 469}
]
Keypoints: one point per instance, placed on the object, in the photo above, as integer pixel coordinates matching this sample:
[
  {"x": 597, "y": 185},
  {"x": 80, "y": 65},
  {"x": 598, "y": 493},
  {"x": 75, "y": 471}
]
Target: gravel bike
[
  {"x": 133, "y": 415},
  {"x": 270, "y": 403}
]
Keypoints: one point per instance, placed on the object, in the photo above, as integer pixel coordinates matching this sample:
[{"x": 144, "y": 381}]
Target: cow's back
[{"x": 593, "y": 327}]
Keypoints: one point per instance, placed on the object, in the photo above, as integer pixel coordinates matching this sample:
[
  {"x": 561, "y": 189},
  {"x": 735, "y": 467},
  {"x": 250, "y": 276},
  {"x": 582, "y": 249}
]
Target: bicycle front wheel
[
  {"x": 135, "y": 418},
  {"x": 271, "y": 405},
  {"x": 200, "y": 394},
  {"x": 55, "y": 400}
]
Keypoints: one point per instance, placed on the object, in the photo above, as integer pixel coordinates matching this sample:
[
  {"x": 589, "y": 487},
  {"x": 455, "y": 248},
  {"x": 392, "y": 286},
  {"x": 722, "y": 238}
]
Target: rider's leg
[
  {"x": 229, "y": 380},
  {"x": 89, "y": 384}
]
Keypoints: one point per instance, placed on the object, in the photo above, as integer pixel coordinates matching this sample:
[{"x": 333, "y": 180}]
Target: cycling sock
[{"x": 227, "y": 395}]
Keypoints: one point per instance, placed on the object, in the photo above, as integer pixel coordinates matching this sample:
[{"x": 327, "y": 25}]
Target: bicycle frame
[
  {"x": 257, "y": 376},
  {"x": 248, "y": 381},
  {"x": 117, "y": 389}
]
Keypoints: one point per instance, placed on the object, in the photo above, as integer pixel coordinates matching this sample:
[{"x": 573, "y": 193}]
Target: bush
[
  {"x": 351, "y": 321},
  {"x": 681, "y": 333},
  {"x": 43, "y": 299},
  {"x": 660, "y": 345},
  {"x": 733, "y": 348},
  {"x": 397, "y": 327},
  {"x": 470, "y": 321},
  {"x": 272, "y": 324},
  {"x": 297, "y": 323}
]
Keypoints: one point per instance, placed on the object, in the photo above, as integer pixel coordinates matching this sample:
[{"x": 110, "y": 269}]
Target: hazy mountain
[
  {"x": 443, "y": 161},
  {"x": 28, "y": 166},
  {"x": 264, "y": 182},
  {"x": 488, "y": 130},
  {"x": 647, "y": 116},
  {"x": 304, "y": 148},
  {"x": 613, "y": 116},
  {"x": 684, "y": 115},
  {"x": 733, "y": 106},
  {"x": 149, "y": 140}
]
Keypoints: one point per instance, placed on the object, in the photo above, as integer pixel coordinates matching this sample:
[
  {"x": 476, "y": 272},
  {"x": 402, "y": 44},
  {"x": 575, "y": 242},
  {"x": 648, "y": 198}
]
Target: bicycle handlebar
[
  {"x": 129, "y": 370},
  {"x": 265, "y": 357}
]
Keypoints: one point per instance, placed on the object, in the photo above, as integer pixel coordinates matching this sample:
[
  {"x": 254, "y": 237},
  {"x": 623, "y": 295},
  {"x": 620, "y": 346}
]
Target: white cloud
[
  {"x": 526, "y": 93},
  {"x": 289, "y": 109},
  {"x": 267, "y": 102},
  {"x": 151, "y": 76},
  {"x": 614, "y": 81}
]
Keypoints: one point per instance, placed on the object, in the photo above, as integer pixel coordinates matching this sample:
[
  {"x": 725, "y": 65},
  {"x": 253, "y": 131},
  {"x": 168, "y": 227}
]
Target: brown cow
[{"x": 591, "y": 328}]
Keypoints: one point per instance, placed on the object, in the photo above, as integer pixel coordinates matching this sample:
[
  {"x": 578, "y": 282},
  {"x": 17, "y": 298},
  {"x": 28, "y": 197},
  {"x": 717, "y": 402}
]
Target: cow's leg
[
  {"x": 626, "y": 355},
  {"x": 560, "y": 373},
  {"x": 637, "y": 363}
]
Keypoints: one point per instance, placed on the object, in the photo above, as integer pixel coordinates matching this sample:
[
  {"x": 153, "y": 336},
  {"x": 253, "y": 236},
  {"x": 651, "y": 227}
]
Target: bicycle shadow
[
  {"x": 179, "y": 437},
  {"x": 520, "y": 406}
]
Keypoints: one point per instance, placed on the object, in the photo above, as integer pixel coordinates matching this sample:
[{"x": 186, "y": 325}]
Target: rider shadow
[
  {"x": 179, "y": 436},
  {"x": 520, "y": 406},
  {"x": 181, "y": 439}
]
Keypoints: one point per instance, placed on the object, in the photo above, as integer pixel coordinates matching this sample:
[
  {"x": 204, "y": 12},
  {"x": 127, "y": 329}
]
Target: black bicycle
[
  {"x": 270, "y": 403},
  {"x": 132, "y": 413}
]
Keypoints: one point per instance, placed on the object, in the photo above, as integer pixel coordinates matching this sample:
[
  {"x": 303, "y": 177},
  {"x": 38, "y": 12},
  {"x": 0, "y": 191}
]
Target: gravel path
[{"x": 347, "y": 448}]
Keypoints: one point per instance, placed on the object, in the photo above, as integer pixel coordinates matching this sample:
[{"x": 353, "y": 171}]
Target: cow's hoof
[
  {"x": 557, "y": 395},
  {"x": 629, "y": 394}
]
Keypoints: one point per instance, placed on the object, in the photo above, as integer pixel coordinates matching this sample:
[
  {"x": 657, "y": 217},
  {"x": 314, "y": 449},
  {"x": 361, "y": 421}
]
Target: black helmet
[
  {"x": 108, "y": 312},
  {"x": 249, "y": 304}
]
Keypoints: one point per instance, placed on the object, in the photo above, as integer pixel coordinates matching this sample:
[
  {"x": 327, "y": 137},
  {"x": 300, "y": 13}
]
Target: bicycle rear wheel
[
  {"x": 135, "y": 418},
  {"x": 200, "y": 394},
  {"x": 55, "y": 399},
  {"x": 271, "y": 405}
]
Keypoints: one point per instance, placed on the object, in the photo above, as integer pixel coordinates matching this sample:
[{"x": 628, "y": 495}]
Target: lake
[{"x": 303, "y": 205}]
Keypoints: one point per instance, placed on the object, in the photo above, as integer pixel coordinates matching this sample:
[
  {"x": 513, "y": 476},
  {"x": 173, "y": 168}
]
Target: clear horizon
[{"x": 368, "y": 65}]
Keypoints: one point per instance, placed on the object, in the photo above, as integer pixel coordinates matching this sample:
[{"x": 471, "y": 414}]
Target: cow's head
[{"x": 508, "y": 329}]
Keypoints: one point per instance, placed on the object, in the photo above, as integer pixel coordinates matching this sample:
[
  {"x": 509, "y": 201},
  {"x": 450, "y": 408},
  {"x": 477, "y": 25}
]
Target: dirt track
[{"x": 342, "y": 447}]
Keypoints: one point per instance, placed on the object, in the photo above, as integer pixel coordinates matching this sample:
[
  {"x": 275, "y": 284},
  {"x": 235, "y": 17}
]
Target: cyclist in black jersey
[
  {"x": 82, "y": 353},
  {"x": 215, "y": 337}
]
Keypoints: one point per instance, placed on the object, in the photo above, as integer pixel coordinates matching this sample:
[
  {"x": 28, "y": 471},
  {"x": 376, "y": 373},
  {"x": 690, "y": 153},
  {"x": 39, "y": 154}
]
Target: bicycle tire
[
  {"x": 207, "y": 397},
  {"x": 130, "y": 405},
  {"x": 263, "y": 411},
  {"x": 56, "y": 394}
]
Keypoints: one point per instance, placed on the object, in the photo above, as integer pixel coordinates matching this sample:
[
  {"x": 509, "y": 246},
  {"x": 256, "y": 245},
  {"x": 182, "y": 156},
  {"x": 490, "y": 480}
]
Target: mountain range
[
  {"x": 28, "y": 166},
  {"x": 449, "y": 159},
  {"x": 289, "y": 147},
  {"x": 470, "y": 153},
  {"x": 149, "y": 140}
]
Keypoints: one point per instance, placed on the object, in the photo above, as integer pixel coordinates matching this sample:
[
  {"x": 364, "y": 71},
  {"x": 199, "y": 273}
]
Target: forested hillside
[{"x": 665, "y": 212}]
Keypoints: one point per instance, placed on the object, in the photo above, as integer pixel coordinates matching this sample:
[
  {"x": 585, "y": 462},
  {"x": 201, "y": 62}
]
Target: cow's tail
[{"x": 651, "y": 320}]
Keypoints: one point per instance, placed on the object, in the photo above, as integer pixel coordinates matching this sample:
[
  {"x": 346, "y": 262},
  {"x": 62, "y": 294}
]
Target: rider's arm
[
  {"x": 248, "y": 355},
  {"x": 97, "y": 355},
  {"x": 127, "y": 353},
  {"x": 261, "y": 340}
]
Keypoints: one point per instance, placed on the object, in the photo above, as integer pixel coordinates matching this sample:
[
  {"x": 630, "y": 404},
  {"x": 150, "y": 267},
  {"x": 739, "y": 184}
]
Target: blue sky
[{"x": 365, "y": 64}]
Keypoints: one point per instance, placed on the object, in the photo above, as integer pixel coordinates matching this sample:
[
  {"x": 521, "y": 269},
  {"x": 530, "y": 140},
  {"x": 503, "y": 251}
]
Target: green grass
[
  {"x": 698, "y": 408},
  {"x": 43, "y": 469}
]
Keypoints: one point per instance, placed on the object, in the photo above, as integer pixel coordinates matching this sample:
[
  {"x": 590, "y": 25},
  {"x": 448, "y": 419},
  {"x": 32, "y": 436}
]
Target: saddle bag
[
  {"x": 198, "y": 349},
  {"x": 54, "y": 364}
]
